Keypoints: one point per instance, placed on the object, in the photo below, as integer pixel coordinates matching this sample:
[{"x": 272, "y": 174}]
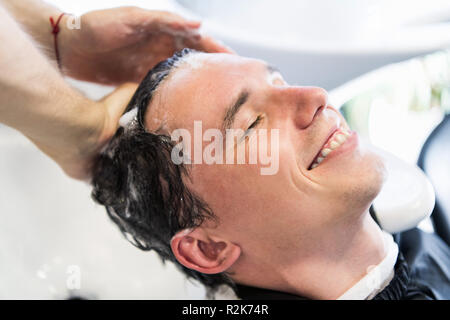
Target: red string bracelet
[{"x": 55, "y": 31}]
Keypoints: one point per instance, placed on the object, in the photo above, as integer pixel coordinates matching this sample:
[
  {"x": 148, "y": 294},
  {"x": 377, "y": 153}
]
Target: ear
[{"x": 195, "y": 250}]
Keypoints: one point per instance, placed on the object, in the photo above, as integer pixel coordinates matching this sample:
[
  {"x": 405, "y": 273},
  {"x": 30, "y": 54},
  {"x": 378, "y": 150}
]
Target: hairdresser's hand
[
  {"x": 111, "y": 109},
  {"x": 77, "y": 147},
  {"x": 118, "y": 45}
]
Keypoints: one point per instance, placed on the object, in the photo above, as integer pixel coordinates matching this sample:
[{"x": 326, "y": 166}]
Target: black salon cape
[{"x": 422, "y": 272}]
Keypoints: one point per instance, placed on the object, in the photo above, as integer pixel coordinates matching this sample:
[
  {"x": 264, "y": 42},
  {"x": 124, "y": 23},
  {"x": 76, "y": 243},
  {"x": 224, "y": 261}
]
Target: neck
[{"x": 322, "y": 267}]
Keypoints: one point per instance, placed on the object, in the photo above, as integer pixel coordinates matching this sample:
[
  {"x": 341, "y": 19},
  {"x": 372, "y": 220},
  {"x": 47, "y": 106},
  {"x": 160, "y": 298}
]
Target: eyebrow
[{"x": 242, "y": 98}]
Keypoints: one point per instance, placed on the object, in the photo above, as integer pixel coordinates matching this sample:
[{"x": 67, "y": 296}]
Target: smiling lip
[
  {"x": 330, "y": 133},
  {"x": 337, "y": 139}
]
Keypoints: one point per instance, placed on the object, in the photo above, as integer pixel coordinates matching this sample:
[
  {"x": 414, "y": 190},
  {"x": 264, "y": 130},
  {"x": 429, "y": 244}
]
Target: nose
[{"x": 303, "y": 103}]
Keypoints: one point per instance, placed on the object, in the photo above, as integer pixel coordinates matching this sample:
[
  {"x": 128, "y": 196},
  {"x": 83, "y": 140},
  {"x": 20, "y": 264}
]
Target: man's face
[{"x": 296, "y": 201}]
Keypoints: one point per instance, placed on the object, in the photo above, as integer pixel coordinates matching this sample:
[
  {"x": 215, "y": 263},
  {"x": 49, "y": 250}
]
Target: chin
[{"x": 358, "y": 184}]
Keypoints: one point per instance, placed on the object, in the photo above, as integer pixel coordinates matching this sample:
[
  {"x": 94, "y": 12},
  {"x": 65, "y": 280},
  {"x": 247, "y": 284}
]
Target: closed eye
[{"x": 253, "y": 125}]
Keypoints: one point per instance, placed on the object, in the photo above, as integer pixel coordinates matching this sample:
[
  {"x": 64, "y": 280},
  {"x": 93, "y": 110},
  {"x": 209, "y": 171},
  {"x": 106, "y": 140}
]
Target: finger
[
  {"x": 151, "y": 21},
  {"x": 209, "y": 44},
  {"x": 180, "y": 27},
  {"x": 117, "y": 101},
  {"x": 175, "y": 21},
  {"x": 192, "y": 24}
]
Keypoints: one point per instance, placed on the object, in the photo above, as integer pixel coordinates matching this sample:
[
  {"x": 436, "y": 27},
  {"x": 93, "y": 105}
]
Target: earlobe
[{"x": 195, "y": 250}]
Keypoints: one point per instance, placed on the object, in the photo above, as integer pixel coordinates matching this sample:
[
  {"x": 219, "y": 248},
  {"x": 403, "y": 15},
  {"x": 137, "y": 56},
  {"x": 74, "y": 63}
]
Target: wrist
[
  {"x": 55, "y": 25},
  {"x": 67, "y": 38},
  {"x": 73, "y": 139},
  {"x": 87, "y": 122}
]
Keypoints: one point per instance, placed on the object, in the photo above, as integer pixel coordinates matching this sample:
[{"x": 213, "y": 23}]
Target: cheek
[
  {"x": 228, "y": 189},
  {"x": 242, "y": 199}
]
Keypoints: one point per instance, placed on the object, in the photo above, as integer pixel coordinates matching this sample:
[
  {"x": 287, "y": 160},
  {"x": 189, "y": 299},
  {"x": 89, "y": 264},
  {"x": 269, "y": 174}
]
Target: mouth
[{"x": 334, "y": 141}]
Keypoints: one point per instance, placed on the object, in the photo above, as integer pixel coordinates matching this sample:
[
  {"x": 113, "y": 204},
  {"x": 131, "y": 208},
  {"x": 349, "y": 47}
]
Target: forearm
[
  {"x": 33, "y": 16},
  {"x": 34, "y": 98}
]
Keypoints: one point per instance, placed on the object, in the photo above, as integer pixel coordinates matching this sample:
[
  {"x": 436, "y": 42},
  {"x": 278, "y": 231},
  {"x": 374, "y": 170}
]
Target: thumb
[{"x": 117, "y": 101}]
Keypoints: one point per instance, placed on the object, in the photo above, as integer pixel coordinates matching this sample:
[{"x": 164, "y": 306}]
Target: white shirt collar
[{"x": 377, "y": 277}]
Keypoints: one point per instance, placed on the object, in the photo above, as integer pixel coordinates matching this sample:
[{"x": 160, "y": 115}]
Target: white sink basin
[
  {"x": 55, "y": 242},
  {"x": 326, "y": 42}
]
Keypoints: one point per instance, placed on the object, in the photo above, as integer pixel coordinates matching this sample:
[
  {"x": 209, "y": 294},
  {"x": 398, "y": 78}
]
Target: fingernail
[{"x": 194, "y": 22}]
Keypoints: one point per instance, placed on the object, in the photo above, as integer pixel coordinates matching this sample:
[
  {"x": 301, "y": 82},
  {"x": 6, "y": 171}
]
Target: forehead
[{"x": 199, "y": 89}]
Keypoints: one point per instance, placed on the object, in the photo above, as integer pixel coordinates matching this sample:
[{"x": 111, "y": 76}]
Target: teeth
[
  {"x": 325, "y": 152},
  {"x": 334, "y": 145},
  {"x": 341, "y": 138},
  {"x": 336, "y": 141}
]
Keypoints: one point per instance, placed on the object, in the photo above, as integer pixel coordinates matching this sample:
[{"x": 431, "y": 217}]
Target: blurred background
[
  {"x": 314, "y": 42},
  {"x": 384, "y": 62}
]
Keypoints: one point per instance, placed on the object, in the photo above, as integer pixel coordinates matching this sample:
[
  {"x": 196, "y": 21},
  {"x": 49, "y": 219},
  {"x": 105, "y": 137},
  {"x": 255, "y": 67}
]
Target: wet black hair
[{"x": 143, "y": 190}]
